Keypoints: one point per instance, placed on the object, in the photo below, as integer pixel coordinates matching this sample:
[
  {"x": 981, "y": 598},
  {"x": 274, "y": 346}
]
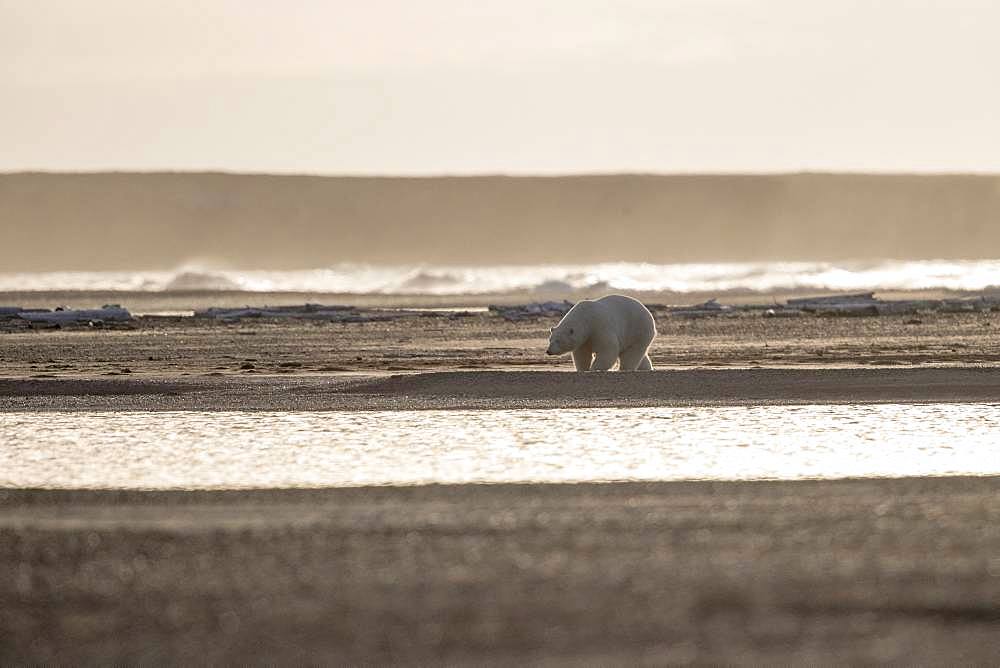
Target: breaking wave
[
  {"x": 758, "y": 277},
  {"x": 200, "y": 280}
]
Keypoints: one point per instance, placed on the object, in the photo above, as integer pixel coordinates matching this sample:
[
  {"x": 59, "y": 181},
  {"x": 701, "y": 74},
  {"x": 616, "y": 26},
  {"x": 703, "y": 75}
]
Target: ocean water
[
  {"x": 760, "y": 277},
  {"x": 167, "y": 450}
]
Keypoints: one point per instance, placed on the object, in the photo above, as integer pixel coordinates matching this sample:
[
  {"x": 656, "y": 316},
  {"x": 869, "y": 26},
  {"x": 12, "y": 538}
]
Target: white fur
[{"x": 601, "y": 332}]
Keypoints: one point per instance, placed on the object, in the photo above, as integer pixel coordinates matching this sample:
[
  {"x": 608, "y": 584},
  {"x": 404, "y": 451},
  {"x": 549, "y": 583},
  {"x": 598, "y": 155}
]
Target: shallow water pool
[{"x": 305, "y": 449}]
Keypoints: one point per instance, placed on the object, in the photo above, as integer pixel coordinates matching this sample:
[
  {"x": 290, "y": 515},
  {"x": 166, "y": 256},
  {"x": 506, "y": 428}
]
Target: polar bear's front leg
[
  {"x": 606, "y": 358},
  {"x": 583, "y": 357}
]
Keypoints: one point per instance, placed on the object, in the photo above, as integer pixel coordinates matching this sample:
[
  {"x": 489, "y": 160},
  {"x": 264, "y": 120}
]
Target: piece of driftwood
[
  {"x": 335, "y": 313},
  {"x": 781, "y": 312},
  {"x": 863, "y": 303},
  {"x": 710, "y": 308},
  {"x": 108, "y": 313},
  {"x": 868, "y": 304},
  {"x": 533, "y": 310},
  {"x": 856, "y": 304},
  {"x": 308, "y": 311},
  {"x": 832, "y": 300}
]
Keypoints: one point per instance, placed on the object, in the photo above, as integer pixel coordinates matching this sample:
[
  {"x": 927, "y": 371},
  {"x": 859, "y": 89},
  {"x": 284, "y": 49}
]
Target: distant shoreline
[{"x": 121, "y": 220}]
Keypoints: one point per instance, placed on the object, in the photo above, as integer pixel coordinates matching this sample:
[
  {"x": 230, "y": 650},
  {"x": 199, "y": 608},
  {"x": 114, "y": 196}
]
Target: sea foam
[{"x": 749, "y": 277}]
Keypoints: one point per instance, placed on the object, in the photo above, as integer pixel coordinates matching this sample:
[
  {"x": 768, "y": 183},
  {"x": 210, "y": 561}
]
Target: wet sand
[{"x": 807, "y": 572}]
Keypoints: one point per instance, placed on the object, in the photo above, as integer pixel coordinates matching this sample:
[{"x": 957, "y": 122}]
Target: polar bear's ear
[{"x": 552, "y": 329}]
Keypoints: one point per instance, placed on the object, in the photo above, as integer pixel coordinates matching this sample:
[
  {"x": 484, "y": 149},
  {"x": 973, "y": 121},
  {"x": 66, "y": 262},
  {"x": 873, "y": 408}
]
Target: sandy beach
[
  {"x": 171, "y": 346},
  {"x": 475, "y": 359},
  {"x": 628, "y": 573}
]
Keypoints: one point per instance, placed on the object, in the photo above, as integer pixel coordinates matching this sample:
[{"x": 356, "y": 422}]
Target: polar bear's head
[
  {"x": 561, "y": 341},
  {"x": 569, "y": 334}
]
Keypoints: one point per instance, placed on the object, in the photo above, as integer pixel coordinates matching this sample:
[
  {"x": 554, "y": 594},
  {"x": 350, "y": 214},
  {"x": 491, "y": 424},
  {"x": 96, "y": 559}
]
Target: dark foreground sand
[{"x": 807, "y": 572}]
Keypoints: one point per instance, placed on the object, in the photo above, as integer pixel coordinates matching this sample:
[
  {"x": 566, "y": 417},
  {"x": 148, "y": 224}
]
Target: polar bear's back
[{"x": 632, "y": 321}]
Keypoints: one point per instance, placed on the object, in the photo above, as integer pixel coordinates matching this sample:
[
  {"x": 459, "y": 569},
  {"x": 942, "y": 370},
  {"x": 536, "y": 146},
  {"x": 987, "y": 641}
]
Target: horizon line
[{"x": 497, "y": 175}]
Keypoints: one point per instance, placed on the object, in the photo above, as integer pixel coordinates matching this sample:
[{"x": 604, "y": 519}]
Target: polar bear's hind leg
[{"x": 635, "y": 359}]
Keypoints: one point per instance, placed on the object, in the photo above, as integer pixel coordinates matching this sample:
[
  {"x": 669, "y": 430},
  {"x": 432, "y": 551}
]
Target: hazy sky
[{"x": 516, "y": 86}]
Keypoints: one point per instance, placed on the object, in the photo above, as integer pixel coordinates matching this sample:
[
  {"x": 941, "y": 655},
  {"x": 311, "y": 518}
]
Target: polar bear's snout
[{"x": 551, "y": 350}]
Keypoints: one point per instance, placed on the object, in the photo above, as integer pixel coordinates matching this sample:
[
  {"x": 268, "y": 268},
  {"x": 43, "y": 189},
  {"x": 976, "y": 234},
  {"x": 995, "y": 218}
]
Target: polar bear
[{"x": 611, "y": 328}]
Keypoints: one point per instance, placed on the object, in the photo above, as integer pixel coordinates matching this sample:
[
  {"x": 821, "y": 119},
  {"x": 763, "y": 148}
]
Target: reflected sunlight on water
[{"x": 296, "y": 449}]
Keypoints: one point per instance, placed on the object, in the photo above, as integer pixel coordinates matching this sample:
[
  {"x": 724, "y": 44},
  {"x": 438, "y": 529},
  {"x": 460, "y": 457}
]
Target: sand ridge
[{"x": 506, "y": 390}]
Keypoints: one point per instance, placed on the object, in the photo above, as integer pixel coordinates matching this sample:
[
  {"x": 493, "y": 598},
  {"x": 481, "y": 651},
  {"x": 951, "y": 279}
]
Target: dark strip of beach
[{"x": 507, "y": 390}]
